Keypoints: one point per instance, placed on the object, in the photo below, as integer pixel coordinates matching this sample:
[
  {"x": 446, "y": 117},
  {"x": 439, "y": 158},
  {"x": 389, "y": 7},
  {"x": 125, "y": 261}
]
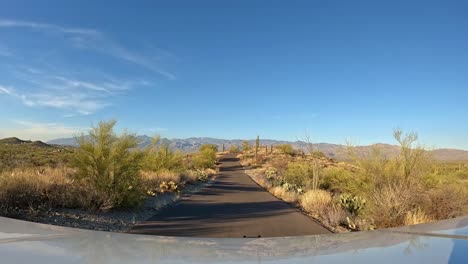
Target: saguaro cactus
[
  {"x": 266, "y": 149},
  {"x": 223, "y": 148},
  {"x": 257, "y": 145}
]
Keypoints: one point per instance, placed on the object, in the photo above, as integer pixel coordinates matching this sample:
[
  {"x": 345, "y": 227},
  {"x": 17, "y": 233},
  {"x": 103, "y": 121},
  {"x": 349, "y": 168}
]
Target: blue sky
[{"x": 234, "y": 69}]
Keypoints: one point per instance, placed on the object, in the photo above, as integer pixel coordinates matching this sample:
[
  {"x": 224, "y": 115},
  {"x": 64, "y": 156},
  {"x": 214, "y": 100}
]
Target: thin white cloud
[
  {"x": 83, "y": 84},
  {"x": 44, "y": 26},
  {"x": 5, "y": 90},
  {"x": 93, "y": 39},
  {"x": 59, "y": 85},
  {"x": 141, "y": 60},
  {"x": 80, "y": 103}
]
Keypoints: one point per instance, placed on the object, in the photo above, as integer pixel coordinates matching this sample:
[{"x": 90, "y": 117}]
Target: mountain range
[{"x": 334, "y": 151}]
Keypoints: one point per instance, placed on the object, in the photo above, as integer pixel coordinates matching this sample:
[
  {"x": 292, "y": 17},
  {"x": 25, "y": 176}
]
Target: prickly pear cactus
[{"x": 353, "y": 204}]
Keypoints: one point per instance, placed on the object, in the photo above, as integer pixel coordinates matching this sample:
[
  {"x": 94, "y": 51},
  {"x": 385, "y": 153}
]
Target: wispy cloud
[
  {"x": 5, "y": 90},
  {"x": 45, "y": 26},
  {"x": 81, "y": 103},
  {"x": 85, "y": 38}
]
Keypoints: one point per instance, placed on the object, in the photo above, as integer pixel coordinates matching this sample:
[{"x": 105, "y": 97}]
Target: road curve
[{"x": 233, "y": 206}]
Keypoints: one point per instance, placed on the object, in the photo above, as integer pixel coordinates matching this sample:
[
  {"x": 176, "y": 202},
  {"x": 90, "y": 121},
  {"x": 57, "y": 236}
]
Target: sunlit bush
[
  {"x": 110, "y": 165},
  {"x": 160, "y": 157},
  {"x": 206, "y": 156},
  {"x": 305, "y": 174},
  {"x": 316, "y": 201},
  {"x": 286, "y": 149}
]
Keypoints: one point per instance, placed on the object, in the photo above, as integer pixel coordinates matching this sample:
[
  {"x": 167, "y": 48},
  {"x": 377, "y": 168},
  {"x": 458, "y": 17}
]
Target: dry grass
[
  {"x": 316, "y": 201},
  {"x": 36, "y": 188},
  {"x": 49, "y": 187},
  {"x": 334, "y": 215},
  {"x": 447, "y": 201},
  {"x": 283, "y": 194},
  {"x": 416, "y": 217},
  {"x": 390, "y": 204},
  {"x": 155, "y": 178}
]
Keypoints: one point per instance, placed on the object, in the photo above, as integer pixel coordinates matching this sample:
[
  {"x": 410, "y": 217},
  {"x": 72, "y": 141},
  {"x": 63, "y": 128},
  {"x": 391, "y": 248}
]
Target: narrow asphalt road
[{"x": 233, "y": 206}]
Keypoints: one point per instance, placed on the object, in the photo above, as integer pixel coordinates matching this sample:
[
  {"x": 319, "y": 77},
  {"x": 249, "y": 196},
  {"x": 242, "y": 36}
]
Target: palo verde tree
[
  {"x": 160, "y": 157},
  {"x": 110, "y": 165}
]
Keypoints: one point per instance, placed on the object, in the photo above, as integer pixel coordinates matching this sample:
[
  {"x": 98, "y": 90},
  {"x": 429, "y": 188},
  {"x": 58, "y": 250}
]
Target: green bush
[
  {"x": 246, "y": 146},
  {"x": 206, "y": 157},
  {"x": 110, "y": 165},
  {"x": 318, "y": 154},
  {"x": 341, "y": 180},
  {"x": 162, "y": 158},
  {"x": 234, "y": 149},
  {"x": 303, "y": 174},
  {"x": 286, "y": 149}
]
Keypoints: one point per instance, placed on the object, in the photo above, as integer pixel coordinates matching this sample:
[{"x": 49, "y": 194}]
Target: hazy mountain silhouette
[{"x": 331, "y": 150}]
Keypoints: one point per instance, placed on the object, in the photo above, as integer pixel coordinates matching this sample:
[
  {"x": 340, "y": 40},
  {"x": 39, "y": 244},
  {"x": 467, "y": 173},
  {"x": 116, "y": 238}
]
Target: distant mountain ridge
[
  {"x": 17, "y": 141},
  {"x": 334, "y": 151}
]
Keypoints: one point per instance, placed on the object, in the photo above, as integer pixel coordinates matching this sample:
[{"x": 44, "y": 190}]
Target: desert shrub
[
  {"x": 391, "y": 203},
  {"x": 416, "y": 217},
  {"x": 246, "y": 146},
  {"x": 341, "y": 180},
  {"x": 286, "y": 149},
  {"x": 316, "y": 201},
  {"x": 334, "y": 215},
  {"x": 318, "y": 154},
  {"x": 395, "y": 187},
  {"x": 151, "y": 180},
  {"x": 29, "y": 154},
  {"x": 162, "y": 158},
  {"x": 50, "y": 187},
  {"x": 202, "y": 175},
  {"x": 271, "y": 173},
  {"x": 304, "y": 174},
  {"x": 353, "y": 204},
  {"x": 194, "y": 175},
  {"x": 206, "y": 156},
  {"x": 110, "y": 165},
  {"x": 284, "y": 194},
  {"x": 234, "y": 149},
  {"x": 447, "y": 201},
  {"x": 281, "y": 165}
]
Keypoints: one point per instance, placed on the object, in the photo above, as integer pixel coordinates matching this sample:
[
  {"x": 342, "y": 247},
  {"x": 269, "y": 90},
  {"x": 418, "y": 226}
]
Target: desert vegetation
[
  {"x": 369, "y": 191},
  {"x": 105, "y": 172}
]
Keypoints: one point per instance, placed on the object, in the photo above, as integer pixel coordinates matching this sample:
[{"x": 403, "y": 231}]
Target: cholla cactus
[
  {"x": 163, "y": 187},
  {"x": 278, "y": 181},
  {"x": 300, "y": 190},
  {"x": 202, "y": 175},
  {"x": 353, "y": 204},
  {"x": 288, "y": 186},
  {"x": 151, "y": 193},
  {"x": 270, "y": 173},
  {"x": 173, "y": 186}
]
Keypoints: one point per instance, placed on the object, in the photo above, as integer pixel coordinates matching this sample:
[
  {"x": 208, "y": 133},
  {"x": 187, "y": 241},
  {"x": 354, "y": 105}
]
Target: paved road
[{"x": 233, "y": 206}]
